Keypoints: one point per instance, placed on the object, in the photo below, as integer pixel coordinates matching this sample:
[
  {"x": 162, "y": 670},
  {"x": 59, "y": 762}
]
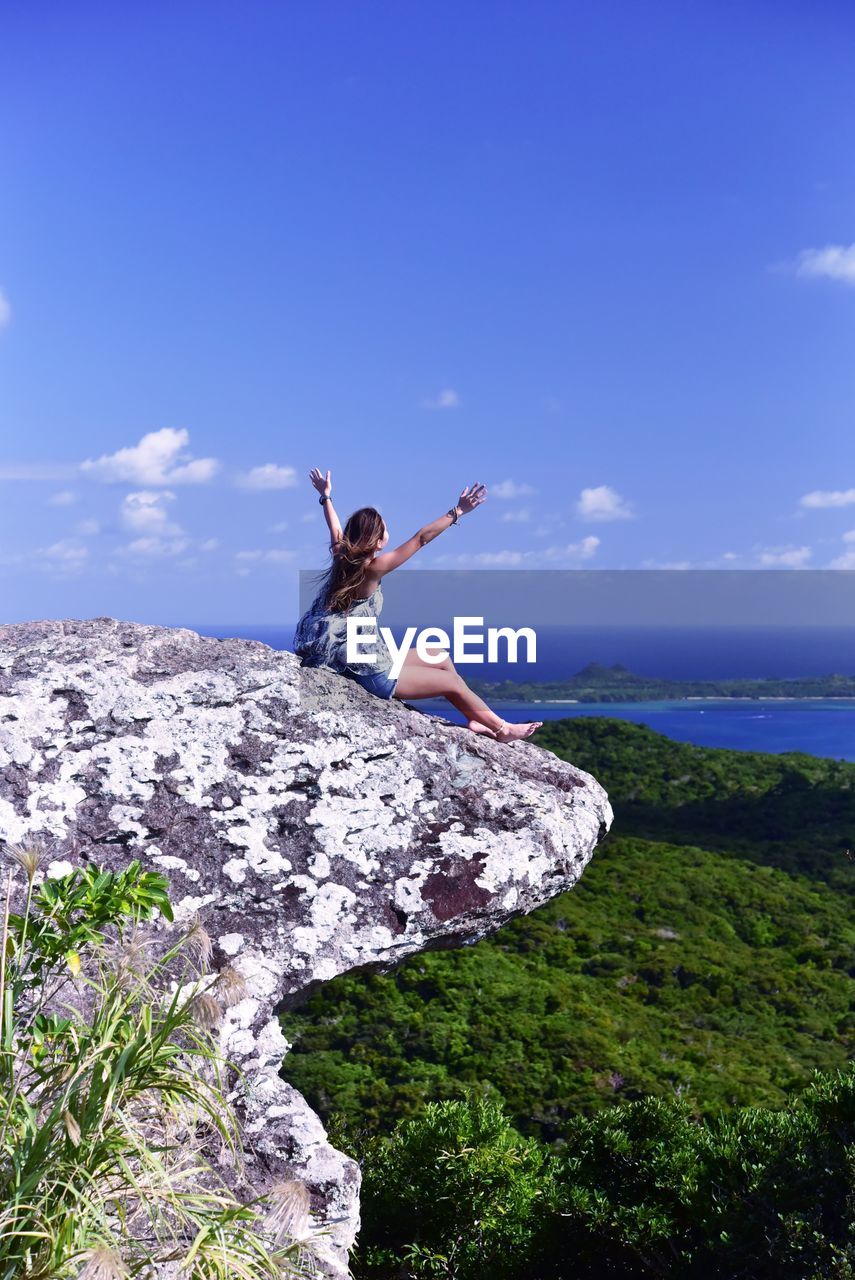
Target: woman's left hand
[
  {"x": 321, "y": 482},
  {"x": 472, "y": 497}
]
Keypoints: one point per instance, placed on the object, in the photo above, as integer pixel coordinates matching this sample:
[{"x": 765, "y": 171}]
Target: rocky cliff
[{"x": 314, "y": 828}]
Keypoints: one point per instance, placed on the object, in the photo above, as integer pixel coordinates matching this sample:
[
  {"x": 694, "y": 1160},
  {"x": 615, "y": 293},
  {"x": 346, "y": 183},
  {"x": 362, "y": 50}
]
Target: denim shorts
[{"x": 377, "y": 682}]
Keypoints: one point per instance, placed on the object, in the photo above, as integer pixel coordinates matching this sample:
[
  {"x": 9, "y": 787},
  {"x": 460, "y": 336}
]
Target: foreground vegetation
[
  {"x": 639, "y": 1191},
  {"x": 597, "y": 683},
  {"x": 114, "y": 1127}
]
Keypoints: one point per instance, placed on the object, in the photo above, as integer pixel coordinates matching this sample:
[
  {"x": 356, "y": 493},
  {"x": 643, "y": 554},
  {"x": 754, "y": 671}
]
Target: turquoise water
[{"x": 821, "y": 726}]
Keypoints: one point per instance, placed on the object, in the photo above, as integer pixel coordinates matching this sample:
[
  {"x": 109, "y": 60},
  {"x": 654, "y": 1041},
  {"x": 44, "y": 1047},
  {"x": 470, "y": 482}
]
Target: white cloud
[
  {"x": 574, "y": 550},
  {"x": 822, "y": 499},
  {"x": 274, "y": 555},
  {"x": 850, "y": 536},
  {"x": 65, "y": 498},
  {"x": 498, "y": 559},
  {"x": 163, "y": 542},
  {"x": 154, "y": 546},
  {"x": 785, "y": 557},
  {"x": 87, "y": 528},
  {"x": 505, "y": 559},
  {"x": 5, "y": 310},
  {"x": 602, "y": 503},
  {"x": 730, "y": 555},
  {"x": 445, "y": 399},
  {"x": 846, "y": 561},
  {"x": 158, "y": 459},
  {"x": 484, "y": 559},
  {"x": 145, "y": 512},
  {"x": 510, "y": 489},
  {"x": 65, "y": 555},
  {"x": 833, "y": 262},
  {"x": 270, "y": 476},
  {"x": 282, "y": 525},
  {"x": 516, "y": 517},
  {"x": 666, "y": 564}
]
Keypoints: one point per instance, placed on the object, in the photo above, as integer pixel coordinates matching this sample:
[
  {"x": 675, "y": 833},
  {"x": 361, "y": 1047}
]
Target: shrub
[
  {"x": 451, "y": 1193},
  {"x": 759, "y": 1193},
  {"x": 642, "y": 1190},
  {"x": 113, "y": 1122}
]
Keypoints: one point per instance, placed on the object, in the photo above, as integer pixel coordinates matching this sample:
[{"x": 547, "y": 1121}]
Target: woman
[{"x": 351, "y": 588}]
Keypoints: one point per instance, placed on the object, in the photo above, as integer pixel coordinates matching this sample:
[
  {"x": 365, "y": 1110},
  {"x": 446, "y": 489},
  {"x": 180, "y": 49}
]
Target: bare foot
[
  {"x": 477, "y": 727},
  {"x": 513, "y": 732}
]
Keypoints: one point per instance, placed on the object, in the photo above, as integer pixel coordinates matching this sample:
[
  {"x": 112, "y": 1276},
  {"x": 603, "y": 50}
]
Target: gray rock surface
[{"x": 314, "y": 828}]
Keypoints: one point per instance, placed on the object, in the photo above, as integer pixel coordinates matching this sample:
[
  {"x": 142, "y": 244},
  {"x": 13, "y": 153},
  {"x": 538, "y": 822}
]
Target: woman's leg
[
  {"x": 477, "y": 725},
  {"x": 420, "y": 679}
]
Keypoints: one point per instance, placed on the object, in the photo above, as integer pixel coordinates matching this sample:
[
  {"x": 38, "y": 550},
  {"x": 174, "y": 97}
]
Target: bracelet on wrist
[
  {"x": 454, "y": 513},
  {"x": 325, "y": 497}
]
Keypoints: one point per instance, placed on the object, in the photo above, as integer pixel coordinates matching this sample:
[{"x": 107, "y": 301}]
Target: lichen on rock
[{"x": 313, "y": 828}]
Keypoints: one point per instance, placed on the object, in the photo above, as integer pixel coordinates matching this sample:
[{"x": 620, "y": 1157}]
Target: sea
[{"x": 819, "y": 726}]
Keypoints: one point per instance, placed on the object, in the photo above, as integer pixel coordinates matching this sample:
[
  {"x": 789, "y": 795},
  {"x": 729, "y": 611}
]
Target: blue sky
[{"x": 600, "y": 256}]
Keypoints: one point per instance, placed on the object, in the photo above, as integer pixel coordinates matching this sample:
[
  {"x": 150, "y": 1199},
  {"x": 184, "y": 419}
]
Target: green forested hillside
[
  {"x": 792, "y": 811},
  {"x": 671, "y": 970}
]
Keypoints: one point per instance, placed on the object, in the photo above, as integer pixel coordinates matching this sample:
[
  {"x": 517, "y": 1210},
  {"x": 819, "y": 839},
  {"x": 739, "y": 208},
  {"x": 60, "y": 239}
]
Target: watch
[{"x": 325, "y": 497}]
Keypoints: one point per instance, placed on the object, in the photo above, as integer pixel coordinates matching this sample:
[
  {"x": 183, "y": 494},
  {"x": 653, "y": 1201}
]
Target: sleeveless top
[{"x": 321, "y": 637}]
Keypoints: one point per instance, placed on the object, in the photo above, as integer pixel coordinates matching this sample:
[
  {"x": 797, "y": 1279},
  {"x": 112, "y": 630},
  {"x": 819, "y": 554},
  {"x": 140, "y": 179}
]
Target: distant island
[{"x": 598, "y": 683}]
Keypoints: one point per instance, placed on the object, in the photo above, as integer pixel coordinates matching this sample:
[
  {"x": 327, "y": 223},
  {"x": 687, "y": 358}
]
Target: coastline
[
  {"x": 616, "y": 702},
  {"x": 822, "y": 727}
]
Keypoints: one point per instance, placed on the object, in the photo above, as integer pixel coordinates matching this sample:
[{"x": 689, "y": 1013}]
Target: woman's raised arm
[
  {"x": 323, "y": 484},
  {"x": 470, "y": 498}
]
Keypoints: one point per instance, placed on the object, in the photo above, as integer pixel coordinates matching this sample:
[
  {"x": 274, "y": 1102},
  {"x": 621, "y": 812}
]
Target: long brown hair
[{"x": 345, "y": 577}]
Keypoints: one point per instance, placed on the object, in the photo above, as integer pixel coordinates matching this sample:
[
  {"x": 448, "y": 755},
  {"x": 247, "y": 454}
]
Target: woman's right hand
[{"x": 321, "y": 482}]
